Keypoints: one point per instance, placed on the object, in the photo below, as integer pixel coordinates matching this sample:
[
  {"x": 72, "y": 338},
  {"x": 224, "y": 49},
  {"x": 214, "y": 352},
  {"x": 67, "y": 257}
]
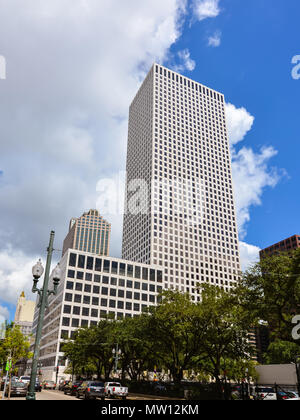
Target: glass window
[
  {"x": 87, "y": 288},
  {"x": 120, "y": 304},
  {"x": 105, "y": 280},
  {"x": 78, "y": 286},
  {"x": 159, "y": 276},
  {"x": 113, "y": 281},
  {"x": 98, "y": 264},
  {"x": 145, "y": 273},
  {"x": 137, "y": 273},
  {"x": 70, "y": 285},
  {"x": 81, "y": 261},
  {"x": 129, "y": 284},
  {"x": 106, "y": 266},
  {"x": 86, "y": 300},
  {"x": 121, "y": 293},
  {"x": 90, "y": 263},
  {"x": 71, "y": 274},
  {"x": 122, "y": 269},
  {"x": 79, "y": 275},
  {"x": 75, "y": 322},
  {"x": 88, "y": 276},
  {"x": 96, "y": 289},
  {"x": 121, "y": 282},
  {"x": 104, "y": 291},
  {"x": 152, "y": 274},
  {"x": 72, "y": 260},
  {"x": 128, "y": 306},
  {"x": 65, "y": 322},
  {"x": 68, "y": 297},
  {"x": 114, "y": 267},
  {"x": 136, "y": 307},
  {"x": 77, "y": 298},
  {"x": 67, "y": 309},
  {"x": 128, "y": 295},
  {"x": 97, "y": 278},
  {"x": 137, "y": 285},
  {"x": 129, "y": 270},
  {"x": 103, "y": 313},
  {"x": 94, "y": 313},
  {"x": 76, "y": 310},
  {"x": 136, "y": 296},
  {"x": 144, "y": 286},
  {"x": 103, "y": 302},
  {"x": 113, "y": 292},
  {"x": 95, "y": 301},
  {"x": 85, "y": 311},
  {"x": 112, "y": 303}
]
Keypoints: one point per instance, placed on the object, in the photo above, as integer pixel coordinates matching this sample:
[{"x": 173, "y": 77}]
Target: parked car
[
  {"x": 18, "y": 389},
  {"x": 48, "y": 385},
  {"x": 38, "y": 386},
  {"x": 91, "y": 390},
  {"x": 265, "y": 393},
  {"x": 115, "y": 389},
  {"x": 62, "y": 385},
  {"x": 292, "y": 395},
  {"x": 24, "y": 379},
  {"x": 71, "y": 387}
]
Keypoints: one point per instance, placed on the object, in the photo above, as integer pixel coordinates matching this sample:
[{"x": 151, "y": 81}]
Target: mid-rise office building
[
  {"x": 285, "y": 245},
  {"x": 179, "y": 205},
  {"x": 88, "y": 233},
  {"x": 92, "y": 288}
]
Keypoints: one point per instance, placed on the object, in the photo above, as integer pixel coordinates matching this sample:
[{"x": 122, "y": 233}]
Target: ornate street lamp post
[
  {"x": 116, "y": 354},
  {"x": 44, "y": 293}
]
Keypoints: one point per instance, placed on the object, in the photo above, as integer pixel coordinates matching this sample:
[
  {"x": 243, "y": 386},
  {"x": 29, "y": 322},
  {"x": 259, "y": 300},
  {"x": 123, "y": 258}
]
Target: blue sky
[{"x": 72, "y": 70}]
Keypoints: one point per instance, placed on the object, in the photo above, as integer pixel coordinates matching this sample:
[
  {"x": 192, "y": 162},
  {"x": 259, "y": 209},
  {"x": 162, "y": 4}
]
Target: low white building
[{"x": 91, "y": 288}]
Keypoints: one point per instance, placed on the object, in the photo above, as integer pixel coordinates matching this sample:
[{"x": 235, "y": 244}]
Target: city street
[{"x": 59, "y": 395}]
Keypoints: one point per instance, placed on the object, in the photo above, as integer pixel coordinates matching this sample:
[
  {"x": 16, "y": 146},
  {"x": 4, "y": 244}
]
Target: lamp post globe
[{"x": 37, "y": 270}]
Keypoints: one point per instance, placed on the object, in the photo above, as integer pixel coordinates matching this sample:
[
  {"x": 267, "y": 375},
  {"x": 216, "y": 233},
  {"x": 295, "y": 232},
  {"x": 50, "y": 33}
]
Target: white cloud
[
  {"x": 215, "y": 39},
  {"x": 15, "y": 276},
  {"x": 249, "y": 254},
  {"x": 250, "y": 170},
  {"x": 239, "y": 122},
  {"x": 204, "y": 9},
  {"x": 186, "y": 62}
]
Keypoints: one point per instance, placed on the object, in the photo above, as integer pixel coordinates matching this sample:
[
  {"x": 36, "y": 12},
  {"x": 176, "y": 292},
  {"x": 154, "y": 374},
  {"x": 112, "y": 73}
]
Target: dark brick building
[{"x": 285, "y": 245}]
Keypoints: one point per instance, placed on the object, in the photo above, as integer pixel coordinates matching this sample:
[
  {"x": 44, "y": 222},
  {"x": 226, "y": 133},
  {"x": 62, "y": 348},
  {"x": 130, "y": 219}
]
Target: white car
[
  {"x": 265, "y": 393},
  {"x": 24, "y": 379},
  {"x": 115, "y": 389}
]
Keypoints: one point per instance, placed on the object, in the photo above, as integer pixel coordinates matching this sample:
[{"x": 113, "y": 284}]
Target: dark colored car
[
  {"x": 18, "y": 389},
  {"x": 62, "y": 385},
  {"x": 38, "y": 386},
  {"x": 71, "y": 387},
  {"x": 91, "y": 390}
]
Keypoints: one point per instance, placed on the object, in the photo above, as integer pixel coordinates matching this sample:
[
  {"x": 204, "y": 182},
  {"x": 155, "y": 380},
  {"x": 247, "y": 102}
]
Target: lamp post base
[{"x": 30, "y": 396}]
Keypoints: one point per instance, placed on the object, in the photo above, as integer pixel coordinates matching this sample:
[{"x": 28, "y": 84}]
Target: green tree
[
  {"x": 226, "y": 334},
  {"x": 176, "y": 329},
  {"x": 15, "y": 346}
]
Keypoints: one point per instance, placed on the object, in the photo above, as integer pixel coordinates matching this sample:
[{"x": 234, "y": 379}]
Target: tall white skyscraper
[{"x": 179, "y": 206}]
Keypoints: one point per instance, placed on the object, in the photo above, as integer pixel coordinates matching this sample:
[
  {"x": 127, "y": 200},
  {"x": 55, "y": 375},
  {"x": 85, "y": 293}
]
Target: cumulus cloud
[
  {"x": 204, "y": 9},
  {"x": 239, "y": 122},
  {"x": 186, "y": 63},
  {"x": 249, "y": 254},
  {"x": 215, "y": 39}
]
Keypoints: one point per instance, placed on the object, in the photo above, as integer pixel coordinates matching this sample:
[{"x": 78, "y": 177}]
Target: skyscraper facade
[
  {"x": 24, "y": 314},
  {"x": 179, "y": 205},
  {"x": 88, "y": 233}
]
